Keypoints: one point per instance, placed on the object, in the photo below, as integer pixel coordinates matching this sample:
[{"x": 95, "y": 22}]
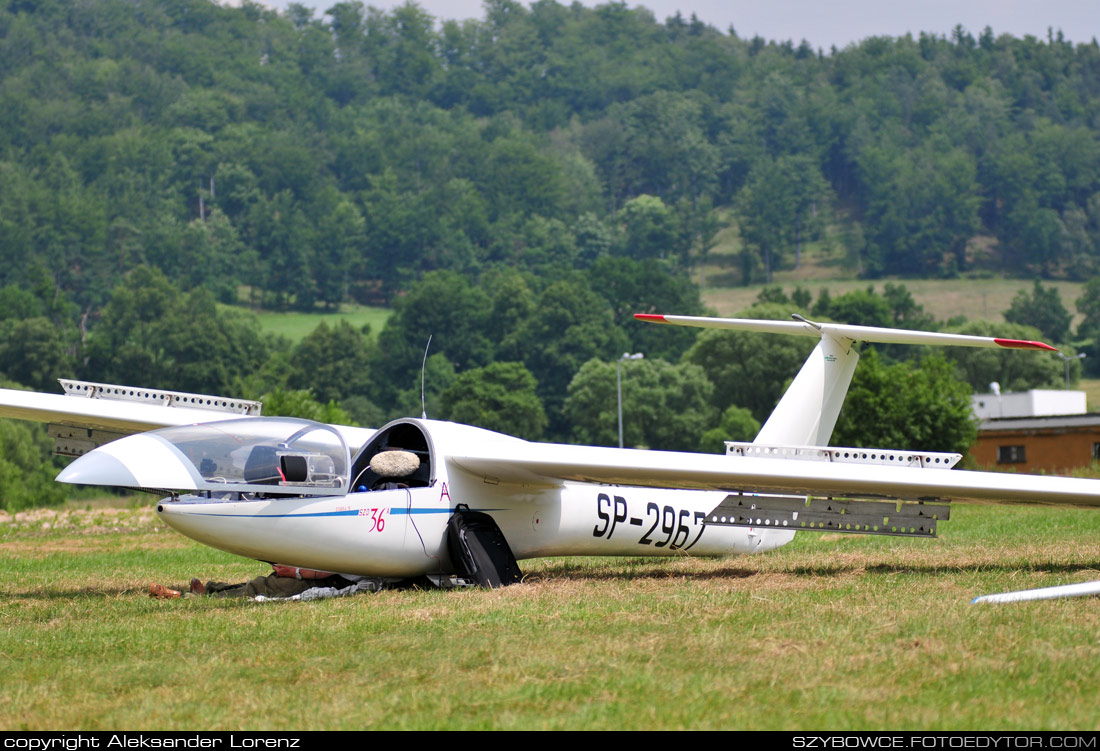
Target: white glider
[{"x": 312, "y": 495}]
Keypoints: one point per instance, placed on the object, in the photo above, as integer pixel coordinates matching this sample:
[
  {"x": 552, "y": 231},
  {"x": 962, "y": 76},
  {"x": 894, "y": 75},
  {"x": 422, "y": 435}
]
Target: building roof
[{"x": 1049, "y": 422}]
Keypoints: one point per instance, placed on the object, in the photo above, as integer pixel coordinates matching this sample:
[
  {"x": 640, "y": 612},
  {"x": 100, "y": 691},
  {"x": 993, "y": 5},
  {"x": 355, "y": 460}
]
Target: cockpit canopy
[{"x": 281, "y": 455}]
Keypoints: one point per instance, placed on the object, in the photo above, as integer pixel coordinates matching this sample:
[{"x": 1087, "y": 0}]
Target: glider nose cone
[
  {"x": 98, "y": 469},
  {"x": 136, "y": 461}
]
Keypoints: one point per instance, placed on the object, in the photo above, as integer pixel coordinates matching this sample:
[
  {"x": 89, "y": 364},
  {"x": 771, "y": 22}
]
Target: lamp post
[
  {"x": 619, "y": 386},
  {"x": 1065, "y": 359}
]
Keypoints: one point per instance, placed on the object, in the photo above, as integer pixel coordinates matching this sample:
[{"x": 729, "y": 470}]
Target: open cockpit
[{"x": 397, "y": 456}]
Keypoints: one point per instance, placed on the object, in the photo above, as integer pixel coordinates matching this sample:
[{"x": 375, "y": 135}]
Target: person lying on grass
[{"x": 284, "y": 581}]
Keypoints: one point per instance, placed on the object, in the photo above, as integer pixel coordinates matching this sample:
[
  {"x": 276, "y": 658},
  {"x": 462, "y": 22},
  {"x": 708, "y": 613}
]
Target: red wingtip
[
  {"x": 1024, "y": 344},
  {"x": 650, "y": 317}
]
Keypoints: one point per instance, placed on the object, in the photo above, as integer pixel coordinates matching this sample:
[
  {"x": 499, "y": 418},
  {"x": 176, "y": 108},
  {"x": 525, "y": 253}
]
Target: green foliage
[
  {"x": 35, "y": 353},
  {"x": 334, "y": 157},
  {"x": 651, "y": 229},
  {"x": 465, "y": 171},
  {"x": 750, "y": 370},
  {"x": 501, "y": 397},
  {"x": 1088, "y": 305},
  {"x": 333, "y": 363},
  {"x": 149, "y": 333},
  {"x": 17, "y": 303},
  {"x": 737, "y": 424},
  {"x": 27, "y": 468},
  {"x": 904, "y": 310},
  {"x": 861, "y": 308},
  {"x": 918, "y": 406},
  {"x": 1043, "y": 310},
  {"x": 665, "y": 406},
  {"x": 778, "y": 209},
  {"x": 448, "y": 308},
  {"x": 1012, "y": 369},
  {"x": 648, "y": 286},
  {"x": 570, "y": 325},
  {"x": 27, "y": 465},
  {"x": 773, "y": 294},
  {"x": 922, "y": 210},
  {"x": 300, "y": 403}
]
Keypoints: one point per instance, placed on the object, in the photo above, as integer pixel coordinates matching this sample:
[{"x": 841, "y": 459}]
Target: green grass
[
  {"x": 943, "y": 298},
  {"x": 825, "y": 263},
  {"x": 296, "y": 326},
  {"x": 831, "y": 632},
  {"x": 1091, "y": 387}
]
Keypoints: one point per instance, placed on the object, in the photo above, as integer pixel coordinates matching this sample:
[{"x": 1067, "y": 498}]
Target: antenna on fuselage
[{"x": 423, "y": 366}]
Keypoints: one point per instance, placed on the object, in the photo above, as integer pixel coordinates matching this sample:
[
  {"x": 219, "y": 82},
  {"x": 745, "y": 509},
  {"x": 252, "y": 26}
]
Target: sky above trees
[{"x": 837, "y": 23}]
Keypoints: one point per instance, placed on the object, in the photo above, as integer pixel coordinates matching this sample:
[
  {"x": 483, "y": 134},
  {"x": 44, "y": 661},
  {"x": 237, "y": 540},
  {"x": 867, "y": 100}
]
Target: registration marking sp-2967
[{"x": 677, "y": 525}]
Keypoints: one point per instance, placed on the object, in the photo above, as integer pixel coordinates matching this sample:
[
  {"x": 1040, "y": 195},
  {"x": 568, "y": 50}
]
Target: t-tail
[{"x": 808, "y": 411}]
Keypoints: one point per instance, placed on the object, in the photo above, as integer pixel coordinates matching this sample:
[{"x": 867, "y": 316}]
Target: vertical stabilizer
[{"x": 808, "y": 411}]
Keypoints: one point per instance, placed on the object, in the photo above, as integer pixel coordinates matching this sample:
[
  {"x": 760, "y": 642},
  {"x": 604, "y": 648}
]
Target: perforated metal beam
[
  {"x": 160, "y": 397},
  {"x": 861, "y": 517}
]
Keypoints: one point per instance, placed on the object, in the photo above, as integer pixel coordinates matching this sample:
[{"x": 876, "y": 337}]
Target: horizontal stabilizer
[{"x": 804, "y": 327}]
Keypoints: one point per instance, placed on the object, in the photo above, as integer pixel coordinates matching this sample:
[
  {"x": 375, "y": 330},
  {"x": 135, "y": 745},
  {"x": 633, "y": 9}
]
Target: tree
[
  {"x": 149, "y": 333},
  {"x": 27, "y": 465},
  {"x": 1013, "y": 370},
  {"x": 341, "y": 235},
  {"x": 737, "y": 424},
  {"x": 449, "y": 308},
  {"x": 778, "y": 208},
  {"x": 333, "y": 361},
  {"x": 27, "y": 468},
  {"x": 922, "y": 208},
  {"x": 860, "y": 307},
  {"x": 1042, "y": 309},
  {"x": 34, "y": 352},
  {"x": 300, "y": 403},
  {"x": 748, "y": 369},
  {"x": 1088, "y": 305},
  {"x": 501, "y": 397},
  {"x": 905, "y": 311},
  {"x": 572, "y": 325},
  {"x": 651, "y": 229},
  {"x": 919, "y": 407},
  {"x": 665, "y": 406},
  {"x": 647, "y": 286}
]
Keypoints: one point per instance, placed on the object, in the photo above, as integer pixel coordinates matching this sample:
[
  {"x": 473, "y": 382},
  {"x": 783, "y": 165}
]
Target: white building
[{"x": 1033, "y": 403}]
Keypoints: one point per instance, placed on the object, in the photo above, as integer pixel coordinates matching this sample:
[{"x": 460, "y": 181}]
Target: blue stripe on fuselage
[{"x": 349, "y": 512}]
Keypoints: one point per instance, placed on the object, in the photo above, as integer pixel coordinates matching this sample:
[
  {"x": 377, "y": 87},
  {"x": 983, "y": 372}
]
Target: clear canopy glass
[{"x": 264, "y": 454}]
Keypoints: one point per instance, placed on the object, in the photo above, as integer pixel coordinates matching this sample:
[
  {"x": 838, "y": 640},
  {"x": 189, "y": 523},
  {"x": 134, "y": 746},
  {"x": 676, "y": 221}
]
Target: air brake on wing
[
  {"x": 852, "y": 516},
  {"x": 76, "y": 441},
  {"x": 891, "y": 457}
]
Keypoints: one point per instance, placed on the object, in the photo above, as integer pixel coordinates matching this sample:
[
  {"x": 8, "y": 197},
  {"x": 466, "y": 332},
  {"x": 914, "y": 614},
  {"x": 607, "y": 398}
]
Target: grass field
[
  {"x": 1091, "y": 387},
  {"x": 295, "y": 326},
  {"x": 824, "y": 263},
  {"x": 943, "y": 298},
  {"x": 831, "y": 632}
]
